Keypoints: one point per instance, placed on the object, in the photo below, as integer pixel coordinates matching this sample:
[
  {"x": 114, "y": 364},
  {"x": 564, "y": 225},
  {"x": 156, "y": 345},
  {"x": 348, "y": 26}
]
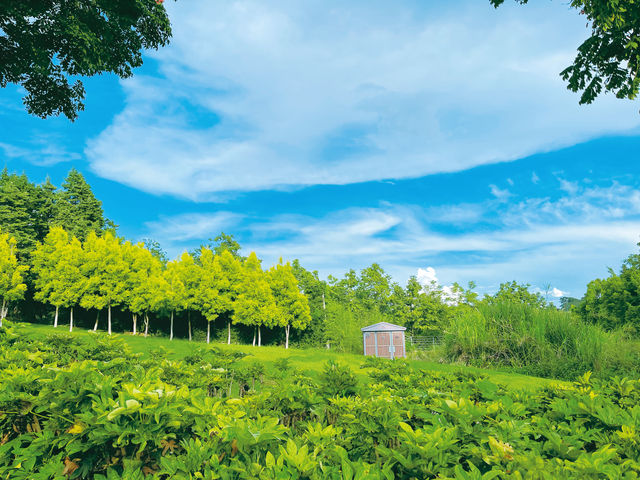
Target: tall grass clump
[{"x": 543, "y": 342}]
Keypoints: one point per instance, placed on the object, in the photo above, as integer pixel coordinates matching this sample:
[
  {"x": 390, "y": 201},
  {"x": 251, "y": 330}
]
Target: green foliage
[
  {"x": 514, "y": 292},
  {"x": 609, "y": 60},
  {"x": 67, "y": 414},
  {"x": 12, "y": 286},
  {"x": 542, "y": 342},
  {"x": 614, "y": 301},
  {"x": 45, "y": 45},
  {"x": 338, "y": 380},
  {"x": 78, "y": 211}
]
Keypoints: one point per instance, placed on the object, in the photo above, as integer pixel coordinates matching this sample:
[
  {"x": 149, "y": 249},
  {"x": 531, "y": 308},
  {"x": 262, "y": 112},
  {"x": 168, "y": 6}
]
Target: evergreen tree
[
  {"x": 21, "y": 205},
  {"x": 255, "y": 305},
  {"x": 12, "y": 286},
  {"x": 78, "y": 210},
  {"x": 292, "y": 305}
]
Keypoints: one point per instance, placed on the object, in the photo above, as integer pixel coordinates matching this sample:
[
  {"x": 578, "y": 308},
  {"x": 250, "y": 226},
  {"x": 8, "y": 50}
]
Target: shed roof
[{"x": 383, "y": 327}]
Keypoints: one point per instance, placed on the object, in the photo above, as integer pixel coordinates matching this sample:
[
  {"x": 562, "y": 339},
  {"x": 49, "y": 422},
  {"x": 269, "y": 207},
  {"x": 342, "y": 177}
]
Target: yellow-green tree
[
  {"x": 44, "y": 261},
  {"x": 175, "y": 291},
  {"x": 232, "y": 271},
  {"x": 208, "y": 299},
  {"x": 107, "y": 269},
  {"x": 189, "y": 273},
  {"x": 255, "y": 305},
  {"x": 143, "y": 282},
  {"x": 12, "y": 286},
  {"x": 292, "y": 305}
]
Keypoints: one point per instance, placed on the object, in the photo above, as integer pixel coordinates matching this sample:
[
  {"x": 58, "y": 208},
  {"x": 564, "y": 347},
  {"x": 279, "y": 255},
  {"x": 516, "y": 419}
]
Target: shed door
[
  {"x": 398, "y": 343},
  {"x": 384, "y": 345}
]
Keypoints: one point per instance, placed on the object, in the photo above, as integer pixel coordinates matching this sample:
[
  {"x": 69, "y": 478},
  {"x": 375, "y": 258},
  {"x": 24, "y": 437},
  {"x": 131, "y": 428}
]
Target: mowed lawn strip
[{"x": 310, "y": 360}]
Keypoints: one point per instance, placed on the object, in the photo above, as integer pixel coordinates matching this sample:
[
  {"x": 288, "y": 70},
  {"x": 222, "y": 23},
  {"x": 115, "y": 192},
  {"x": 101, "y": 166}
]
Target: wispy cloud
[
  {"x": 539, "y": 241},
  {"x": 256, "y": 96}
]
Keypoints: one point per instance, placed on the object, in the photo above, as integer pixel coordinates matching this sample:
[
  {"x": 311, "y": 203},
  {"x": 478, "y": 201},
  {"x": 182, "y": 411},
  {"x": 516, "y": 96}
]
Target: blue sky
[{"x": 412, "y": 134}]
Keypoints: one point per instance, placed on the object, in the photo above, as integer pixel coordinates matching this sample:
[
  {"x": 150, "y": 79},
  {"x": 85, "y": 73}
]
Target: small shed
[{"x": 384, "y": 340}]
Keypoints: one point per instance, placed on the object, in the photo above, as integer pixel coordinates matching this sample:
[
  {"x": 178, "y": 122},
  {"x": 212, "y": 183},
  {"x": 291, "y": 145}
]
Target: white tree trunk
[
  {"x": 95, "y": 325},
  {"x": 189, "y": 322},
  {"x": 109, "y": 320},
  {"x": 259, "y": 337},
  {"x": 171, "y": 331},
  {"x": 286, "y": 330},
  {"x": 254, "y": 337},
  {"x": 229, "y": 332},
  {"x": 146, "y": 324},
  {"x": 208, "y": 331},
  {"x": 71, "y": 320},
  {"x": 55, "y": 319},
  {"x": 3, "y": 311},
  {"x": 135, "y": 323}
]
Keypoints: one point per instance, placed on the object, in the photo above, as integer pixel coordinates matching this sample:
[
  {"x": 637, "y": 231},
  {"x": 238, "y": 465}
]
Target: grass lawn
[{"x": 309, "y": 359}]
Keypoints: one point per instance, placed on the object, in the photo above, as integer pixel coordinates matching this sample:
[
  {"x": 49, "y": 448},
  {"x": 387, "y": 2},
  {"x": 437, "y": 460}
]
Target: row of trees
[{"x": 105, "y": 271}]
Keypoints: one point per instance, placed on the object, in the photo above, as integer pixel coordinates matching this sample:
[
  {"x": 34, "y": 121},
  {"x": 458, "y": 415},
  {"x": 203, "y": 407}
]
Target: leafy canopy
[
  {"x": 610, "y": 58},
  {"x": 46, "y": 44}
]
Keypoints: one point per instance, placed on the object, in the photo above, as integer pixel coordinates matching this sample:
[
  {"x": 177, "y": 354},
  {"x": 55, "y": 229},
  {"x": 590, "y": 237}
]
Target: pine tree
[
  {"x": 293, "y": 308},
  {"x": 12, "y": 286},
  {"x": 20, "y": 207},
  {"x": 78, "y": 210},
  {"x": 255, "y": 305}
]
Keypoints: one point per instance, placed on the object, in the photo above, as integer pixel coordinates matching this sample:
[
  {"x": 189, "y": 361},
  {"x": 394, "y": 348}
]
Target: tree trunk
[
  {"x": 3, "y": 311},
  {"x": 171, "y": 331},
  {"x": 95, "y": 325},
  {"x": 189, "y": 322},
  {"x": 286, "y": 330},
  {"x": 259, "y": 337},
  {"x": 109, "y": 320},
  {"x": 55, "y": 319},
  {"x": 208, "y": 331},
  {"x": 146, "y": 324},
  {"x": 229, "y": 332},
  {"x": 254, "y": 337},
  {"x": 135, "y": 323},
  {"x": 71, "y": 320}
]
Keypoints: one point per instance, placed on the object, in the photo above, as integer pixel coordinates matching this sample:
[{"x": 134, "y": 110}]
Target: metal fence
[{"x": 424, "y": 343}]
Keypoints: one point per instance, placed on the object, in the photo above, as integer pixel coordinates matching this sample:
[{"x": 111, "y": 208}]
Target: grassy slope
[{"x": 311, "y": 359}]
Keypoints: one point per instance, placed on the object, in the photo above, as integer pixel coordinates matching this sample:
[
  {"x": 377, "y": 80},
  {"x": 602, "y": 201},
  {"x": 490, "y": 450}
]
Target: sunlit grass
[{"x": 310, "y": 360}]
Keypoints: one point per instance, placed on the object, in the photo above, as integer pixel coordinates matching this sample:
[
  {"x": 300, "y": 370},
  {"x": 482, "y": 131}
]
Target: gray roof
[{"x": 383, "y": 327}]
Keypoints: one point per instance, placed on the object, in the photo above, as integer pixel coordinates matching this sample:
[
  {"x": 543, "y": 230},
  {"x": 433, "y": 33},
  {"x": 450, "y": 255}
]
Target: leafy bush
[{"x": 130, "y": 418}]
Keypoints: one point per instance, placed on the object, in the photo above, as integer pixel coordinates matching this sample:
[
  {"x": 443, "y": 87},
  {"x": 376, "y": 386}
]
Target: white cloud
[
  {"x": 279, "y": 94},
  {"x": 557, "y": 293},
  {"x": 182, "y": 232},
  {"x": 501, "y": 194},
  {"x": 534, "y": 178}
]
